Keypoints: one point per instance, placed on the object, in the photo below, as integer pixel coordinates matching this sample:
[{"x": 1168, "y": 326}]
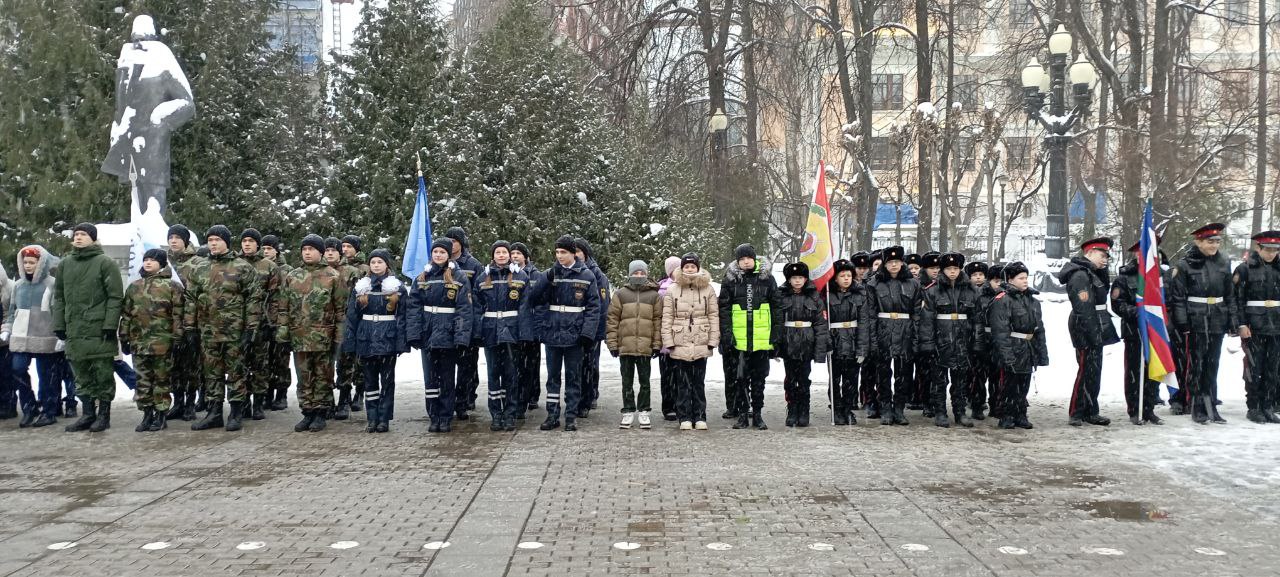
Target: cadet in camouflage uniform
[
  {"x": 311, "y": 301},
  {"x": 222, "y": 305},
  {"x": 150, "y": 323},
  {"x": 185, "y": 382},
  {"x": 278, "y": 377},
  {"x": 352, "y": 257},
  {"x": 348, "y": 372},
  {"x": 256, "y": 361}
]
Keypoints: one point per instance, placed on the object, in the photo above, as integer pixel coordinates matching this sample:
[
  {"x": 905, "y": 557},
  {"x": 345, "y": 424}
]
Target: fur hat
[
  {"x": 795, "y": 269},
  {"x": 975, "y": 266},
  {"x": 1014, "y": 269},
  {"x": 891, "y": 253},
  {"x": 565, "y": 242},
  {"x": 844, "y": 264},
  {"x": 951, "y": 259}
]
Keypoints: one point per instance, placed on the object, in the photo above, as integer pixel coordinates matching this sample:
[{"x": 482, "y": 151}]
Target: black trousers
[
  {"x": 979, "y": 377},
  {"x": 1135, "y": 377},
  {"x": 1262, "y": 369},
  {"x": 528, "y": 364},
  {"x": 379, "y": 386},
  {"x": 844, "y": 384},
  {"x": 870, "y": 377},
  {"x": 667, "y": 384},
  {"x": 692, "y": 386},
  {"x": 797, "y": 381},
  {"x": 748, "y": 371},
  {"x": 958, "y": 378},
  {"x": 894, "y": 382},
  {"x": 1084, "y": 394},
  {"x": 590, "y": 377},
  {"x": 1013, "y": 393},
  {"x": 468, "y": 366},
  {"x": 921, "y": 373},
  {"x": 1202, "y": 378}
]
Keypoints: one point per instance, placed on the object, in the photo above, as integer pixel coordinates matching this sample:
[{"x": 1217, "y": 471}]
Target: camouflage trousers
[
  {"x": 257, "y": 364},
  {"x": 152, "y": 390},
  {"x": 95, "y": 378},
  {"x": 349, "y": 371},
  {"x": 224, "y": 376},
  {"x": 279, "y": 378},
  {"x": 186, "y": 370},
  {"x": 315, "y": 379}
]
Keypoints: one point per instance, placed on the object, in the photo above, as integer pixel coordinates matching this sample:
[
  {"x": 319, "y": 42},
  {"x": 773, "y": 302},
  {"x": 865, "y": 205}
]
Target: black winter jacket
[
  {"x": 1017, "y": 331},
  {"x": 1090, "y": 321},
  {"x": 1202, "y": 297},
  {"x": 949, "y": 323},
  {"x": 846, "y": 308},
  {"x": 898, "y": 296},
  {"x": 1258, "y": 282},
  {"x": 813, "y": 339}
]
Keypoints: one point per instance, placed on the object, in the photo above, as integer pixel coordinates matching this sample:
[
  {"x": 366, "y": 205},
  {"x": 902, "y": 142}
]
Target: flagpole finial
[
  {"x": 133, "y": 171},
  {"x": 419, "y": 156}
]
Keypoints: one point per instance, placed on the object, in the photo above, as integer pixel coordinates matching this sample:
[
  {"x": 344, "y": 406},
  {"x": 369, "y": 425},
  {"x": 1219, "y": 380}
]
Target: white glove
[
  {"x": 862, "y": 360},
  {"x": 60, "y": 346},
  {"x": 4, "y": 336},
  {"x": 391, "y": 284},
  {"x": 513, "y": 268},
  {"x": 453, "y": 265},
  {"x": 363, "y": 286}
]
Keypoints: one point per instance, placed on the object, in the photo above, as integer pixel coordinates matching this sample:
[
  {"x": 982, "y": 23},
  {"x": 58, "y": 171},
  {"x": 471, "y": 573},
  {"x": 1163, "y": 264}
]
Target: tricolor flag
[
  {"x": 417, "y": 246},
  {"x": 1151, "y": 309},
  {"x": 816, "y": 252}
]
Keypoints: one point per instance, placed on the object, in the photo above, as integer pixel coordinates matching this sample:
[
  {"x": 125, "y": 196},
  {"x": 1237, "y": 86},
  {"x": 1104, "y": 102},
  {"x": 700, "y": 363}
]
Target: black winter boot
[
  {"x": 757, "y": 421},
  {"x": 743, "y": 421},
  {"x": 70, "y": 408},
  {"x": 1006, "y": 422},
  {"x": 873, "y": 411},
  {"x": 1150, "y": 417},
  {"x": 281, "y": 401},
  {"x": 853, "y": 417},
  {"x": 29, "y": 415},
  {"x": 305, "y": 423},
  {"x": 103, "y": 420},
  {"x": 87, "y": 418},
  {"x": 940, "y": 420},
  {"x": 791, "y": 414},
  {"x": 212, "y": 419},
  {"x": 840, "y": 417},
  {"x": 145, "y": 425},
  {"x": 202, "y": 403},
  {"x": 899, "y": 417},
  {"x": 343, "y": 412},
  {"x": 233, "y": 418},
  {"x": 158, "y": 423},
  {"x": 44, "y": 420},
  {"x": 963, "y": 420},
  {"x": 256, "y": 413},
  {"x": 317, "y": 423},
  {"x": 357, "y": 400},
  {"x": 189, "y": 407},
  {"x": 175, "y": 410},
  {"x": 802, "y": 414},
  {"x": 977, "y": 414}
]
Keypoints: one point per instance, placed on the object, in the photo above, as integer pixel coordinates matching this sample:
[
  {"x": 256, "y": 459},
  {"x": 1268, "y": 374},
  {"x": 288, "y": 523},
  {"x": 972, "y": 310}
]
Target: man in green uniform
[
  {"x": 256, "y": 360},
  {"x": 86, "y": 313},
  {"x": 312, "y": 300},
  {"x": 150, "y": 323}
]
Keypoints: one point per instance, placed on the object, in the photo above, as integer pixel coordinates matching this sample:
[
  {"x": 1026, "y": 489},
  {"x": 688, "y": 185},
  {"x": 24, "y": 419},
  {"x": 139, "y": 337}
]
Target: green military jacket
[
  {"x": 311, "y": 305},
  {"x": 223, "y": 299},
  {"x": 151, "y": 317}
]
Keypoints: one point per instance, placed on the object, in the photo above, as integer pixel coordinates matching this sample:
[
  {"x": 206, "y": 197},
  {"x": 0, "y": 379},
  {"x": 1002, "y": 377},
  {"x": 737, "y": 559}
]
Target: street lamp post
[
  {"x": 1037, "y": 83},
  {"x": 717, "y": 126}
]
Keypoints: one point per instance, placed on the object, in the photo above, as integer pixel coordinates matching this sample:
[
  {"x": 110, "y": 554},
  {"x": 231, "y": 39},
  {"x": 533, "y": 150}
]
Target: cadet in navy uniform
[
  {"x": 500, "y": 298},
  {"x": 440, "y": 324},
  {"x": 572, "y": 322}
]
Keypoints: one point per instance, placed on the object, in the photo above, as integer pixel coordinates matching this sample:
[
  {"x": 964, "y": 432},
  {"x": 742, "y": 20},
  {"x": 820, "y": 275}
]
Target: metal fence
[{"x": 1022, "y": 247}]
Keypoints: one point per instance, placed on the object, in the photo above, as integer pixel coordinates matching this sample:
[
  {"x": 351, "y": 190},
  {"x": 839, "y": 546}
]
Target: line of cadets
[{"x": 902, "y": 332}]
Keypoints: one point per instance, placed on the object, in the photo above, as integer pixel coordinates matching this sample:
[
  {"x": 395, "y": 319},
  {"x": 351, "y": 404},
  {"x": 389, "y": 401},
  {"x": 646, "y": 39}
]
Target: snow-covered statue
[{"x": 153, "y": 99}]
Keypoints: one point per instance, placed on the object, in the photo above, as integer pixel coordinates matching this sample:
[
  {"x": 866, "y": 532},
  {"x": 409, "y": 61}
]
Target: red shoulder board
[{"x": 1000, "y": 296}]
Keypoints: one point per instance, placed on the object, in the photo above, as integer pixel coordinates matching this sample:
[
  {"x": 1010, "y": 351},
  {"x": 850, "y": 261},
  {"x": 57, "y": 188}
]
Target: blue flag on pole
[{"x": 417, "y": 246}]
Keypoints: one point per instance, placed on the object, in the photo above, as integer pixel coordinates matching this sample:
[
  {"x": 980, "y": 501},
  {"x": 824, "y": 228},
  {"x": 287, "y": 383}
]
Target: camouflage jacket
[
  {"x": 151, "y": 317},
  {"x": 311, "y": 303},
  {"x": 269, "y": 278},
  {"x": 185, "y": 263},
  {"x": 222, "y": 299},
  {"x": 360, "y": 262},
  {"x": 350, "y": 275}
]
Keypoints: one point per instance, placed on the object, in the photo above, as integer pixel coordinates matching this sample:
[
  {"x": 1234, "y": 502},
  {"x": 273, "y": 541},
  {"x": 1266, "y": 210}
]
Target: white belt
[
  {"x": 439, "y": 310},
  {"x": 1205, "y": 300},
  {"x": 567, "y": 309},
  {"x": 378, "y": 318},
  {"x": 1264, "y": 304},
  {"x": 953, "y": 317},
  {"x": 799, "y": 324},
  {"x": 845, "y": 325},
  {"x": 501, "y": 314},
  {"x": 1023, "y": 336},
  {"x": 895, "y": 316},
  {"x": 1100, "y": 307}
]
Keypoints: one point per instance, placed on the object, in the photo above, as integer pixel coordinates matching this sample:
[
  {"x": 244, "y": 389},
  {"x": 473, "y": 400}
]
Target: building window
[
  {"x": 886, "y": 91},
  {"x": 964, "y": 153},
  {"x": 1236, "y": 9},
  {"x": 1236, "y": 93},
  {"x": 882, "y": 153},
  {"x": 966, "y": 90},
  {"x": 1019, "y": 152},
  {"x": 1022, "y": 14},
  {"x": 887, "y": 11}
]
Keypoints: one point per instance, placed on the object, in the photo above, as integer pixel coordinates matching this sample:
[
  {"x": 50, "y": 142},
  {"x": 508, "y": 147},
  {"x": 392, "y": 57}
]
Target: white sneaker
[
  {"x": 627, "y": 419},
  {"x": 644, "y": 419},
  {"x": 700, "y": 425},
  {"x": 686, "y": 426}
]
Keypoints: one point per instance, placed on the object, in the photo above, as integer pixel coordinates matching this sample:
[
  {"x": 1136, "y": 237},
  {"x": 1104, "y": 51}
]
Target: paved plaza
[{"x": 1182, "y": 499}]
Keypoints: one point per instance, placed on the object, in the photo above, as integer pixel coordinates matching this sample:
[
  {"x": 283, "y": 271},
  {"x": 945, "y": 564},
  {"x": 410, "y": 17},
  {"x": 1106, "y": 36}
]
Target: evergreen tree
[
  {"x": 56, "y": 85},
  {"x": 389, "y": 101},
  {"x": 531, "y": 155}
]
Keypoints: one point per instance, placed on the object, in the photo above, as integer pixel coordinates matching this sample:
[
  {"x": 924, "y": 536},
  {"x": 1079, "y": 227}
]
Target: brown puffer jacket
[
  {"x": 690, "y": 317},
  {"x": 635, "y": 319}
]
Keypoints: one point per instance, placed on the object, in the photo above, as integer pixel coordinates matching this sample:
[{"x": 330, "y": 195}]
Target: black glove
[
  {"x": 126, "y": 348},
  {"x": 711, "y": 349},
  {"x": 586, "y": 342},
  {"x": 655, "y": 354},
  {"x": 191, "y": 340},
  {"x": 107, "y": 335},
  {"x": 246, "y": 339},
  {"x": 614, "y": 353},
  {"x": 62, "y": 335}
]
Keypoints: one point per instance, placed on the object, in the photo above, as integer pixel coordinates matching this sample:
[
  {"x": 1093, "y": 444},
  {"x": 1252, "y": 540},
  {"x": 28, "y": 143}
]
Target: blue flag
[{"x": 417, "y": 246}]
